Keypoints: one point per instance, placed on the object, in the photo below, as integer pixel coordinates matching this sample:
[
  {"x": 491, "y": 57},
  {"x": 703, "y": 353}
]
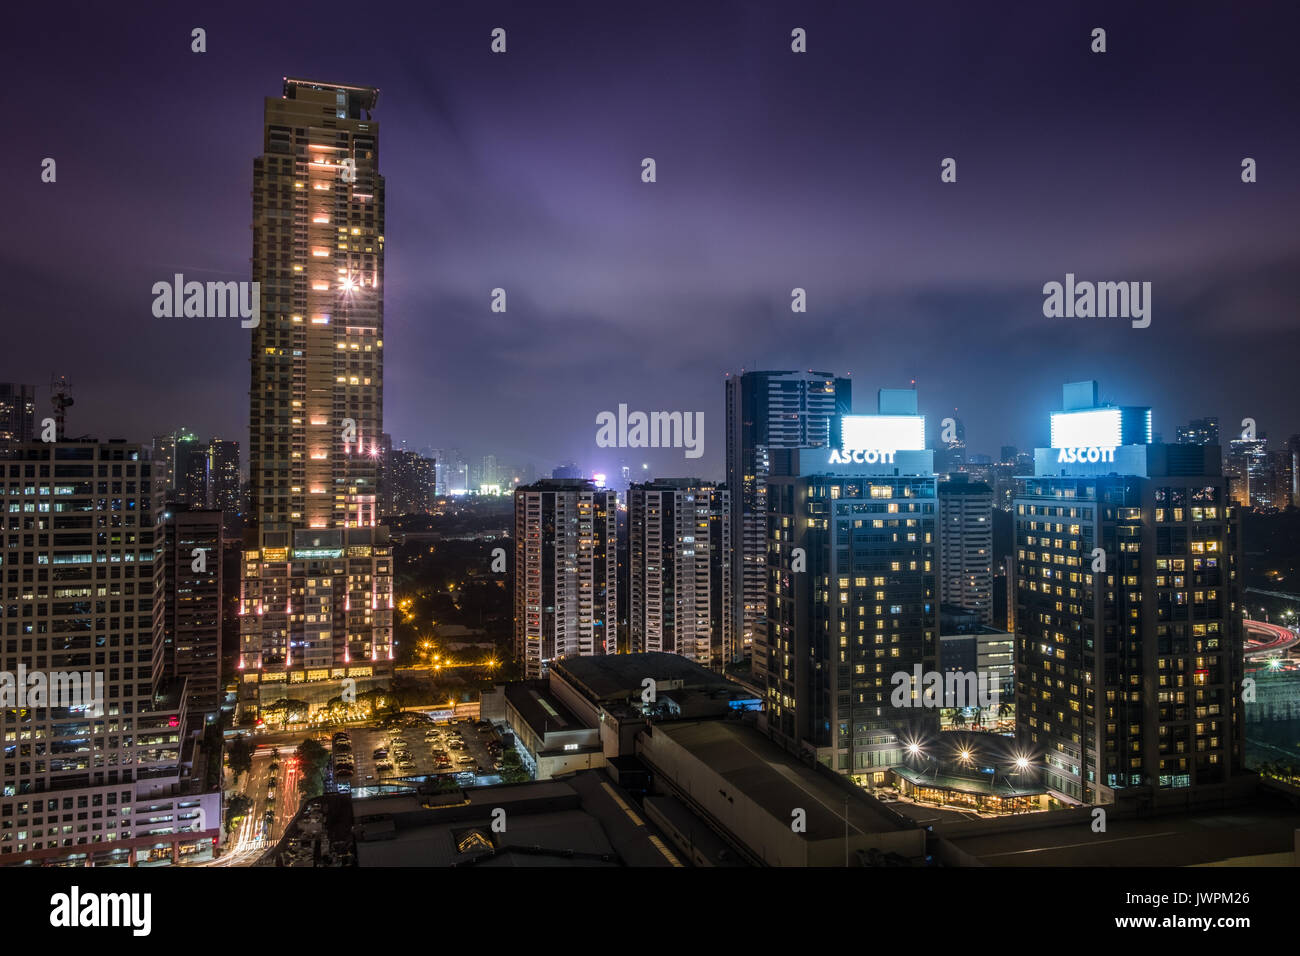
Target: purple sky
[{"x": 775, "y": 170}]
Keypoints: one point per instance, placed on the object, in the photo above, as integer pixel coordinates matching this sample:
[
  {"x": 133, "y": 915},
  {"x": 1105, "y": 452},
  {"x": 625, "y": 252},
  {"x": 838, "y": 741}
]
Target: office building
[
  {"x": 192, "y": 588},
  {"x": 680, "y": 569},
  {"x": 1281, "y": 472},
  {"x": 565, "y": 567},
  {"x": 100, "y": 773},
  {"x": 224, "y": 493},
  {"x": 853, "y": 592},
  {"x": 1199, "y": 431},
  {"x": 17, "y": 413},
  {"x": 190, "y": 478},
  {"x": 1247, "y": 469},
  {"x": 1128, "y": 616},
  {"x": 966, "y": 546},
  {"x": 768, "y": 411},
  {"x": 317, "y": 579}
]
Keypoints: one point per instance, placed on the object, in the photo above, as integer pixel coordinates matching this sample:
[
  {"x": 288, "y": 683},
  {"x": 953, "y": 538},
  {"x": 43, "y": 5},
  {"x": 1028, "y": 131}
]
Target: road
[
  {"x": 1267, "y": 640},
  {"x": 252, "y": 837}
]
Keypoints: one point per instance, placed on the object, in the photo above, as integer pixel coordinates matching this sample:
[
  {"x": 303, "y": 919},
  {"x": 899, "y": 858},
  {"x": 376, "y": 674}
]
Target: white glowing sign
[
  {"x": 873, "y": 439},
  {"x": 1092, "y": 428}
]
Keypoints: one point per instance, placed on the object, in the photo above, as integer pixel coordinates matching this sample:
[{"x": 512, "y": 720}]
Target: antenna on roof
[{"x": 61, "y": 399}]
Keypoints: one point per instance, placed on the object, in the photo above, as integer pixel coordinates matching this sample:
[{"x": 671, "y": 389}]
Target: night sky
[{"x": 775, "y": 170}]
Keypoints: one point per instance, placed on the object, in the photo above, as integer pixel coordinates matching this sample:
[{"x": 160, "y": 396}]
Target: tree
[
  {"x": 239, "y": 756},
  {"x": 312, "y": 760},
  {"x": 512, "y": 770},
  {"x": 236, "y": 809}
]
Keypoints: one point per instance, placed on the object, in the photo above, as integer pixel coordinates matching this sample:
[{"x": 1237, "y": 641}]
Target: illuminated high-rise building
[
  {"x": 966, "y": 546},
  {"x": 1128, "y": 611},
  {"x": 680, "y": 569},
  {"x": 192, "y": 586},
  {"x": 766, "y": 411},
  {"x": 223, "y": 476},
  {"x": 853, "y": 593},
  {"x": 97, "y": 773},
  {"x": 317, "y": 579},
  {"x": 565, "y": 568}
]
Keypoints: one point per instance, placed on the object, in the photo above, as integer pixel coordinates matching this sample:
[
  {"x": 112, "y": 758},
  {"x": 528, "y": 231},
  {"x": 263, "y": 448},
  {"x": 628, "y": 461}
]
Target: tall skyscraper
[
  {"x": 223, "y": 476},
  {"x": 1128, "y": 617},
  {"x": 17, "y": 413},
  {"x": 853, "y": 591},
  {"x": 565, "y": 572},
  {"x": 1249, "y": 474},
  {"x": 317, "y": 580},
  {"x": 966, "y": 547},
  {"x": 680, "y": 570},
  {"x": 190, "y": 479},
  {"x": 767, "y": 411},
  {"x": 95, "y": 770},
  {"x": 191, "y": 606}
]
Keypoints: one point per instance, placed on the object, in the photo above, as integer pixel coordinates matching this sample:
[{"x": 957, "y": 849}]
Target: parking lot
[{"x": 421, "y": 748}]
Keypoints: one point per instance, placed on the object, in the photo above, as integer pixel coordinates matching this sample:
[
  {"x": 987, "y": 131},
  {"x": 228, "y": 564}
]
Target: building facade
[
  {"x": 768, "y": 411},
  {"x": 565, "y": 572},
  {"x": 680, "y": 570},
  {"x": 192, "y": 588},
  {"x": 224, "y": 493},
  {"x": 966, "y": 547},
  {"x": 317, "y": 596},
  {"x": 99, "y": 772},
  {"x": 853, "y": 592},
  {"x": 1128, "y": 633}
]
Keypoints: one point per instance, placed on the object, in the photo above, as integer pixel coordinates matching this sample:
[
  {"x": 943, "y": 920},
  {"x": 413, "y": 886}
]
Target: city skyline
[{"x": 904, "y": 280}]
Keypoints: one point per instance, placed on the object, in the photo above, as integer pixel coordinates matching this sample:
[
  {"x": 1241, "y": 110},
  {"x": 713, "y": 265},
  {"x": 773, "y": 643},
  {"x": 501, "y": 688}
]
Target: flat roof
[
  {"x": 775, "y": 780},
  {"x": 583, "y": 820},
  {"x": 975, "y": 785},
  {"x": 540, "y": 709},
  {"x": 617, "y": 675},
  {"x": 1188, "y": 839}
]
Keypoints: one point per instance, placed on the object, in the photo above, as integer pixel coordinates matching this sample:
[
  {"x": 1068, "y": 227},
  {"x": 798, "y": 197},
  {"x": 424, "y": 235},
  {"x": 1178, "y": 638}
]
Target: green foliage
[{"x": 239, "y": 755}]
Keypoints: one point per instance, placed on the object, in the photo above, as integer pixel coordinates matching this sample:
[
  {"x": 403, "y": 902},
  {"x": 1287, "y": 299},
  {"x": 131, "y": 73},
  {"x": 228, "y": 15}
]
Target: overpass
[{"x": 1267, "y": 640}]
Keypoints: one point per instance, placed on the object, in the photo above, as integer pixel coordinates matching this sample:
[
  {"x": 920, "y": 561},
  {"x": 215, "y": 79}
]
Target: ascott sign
[
  {"x": 1088, "y": 453},
  {"x": 861, "y": 456}
]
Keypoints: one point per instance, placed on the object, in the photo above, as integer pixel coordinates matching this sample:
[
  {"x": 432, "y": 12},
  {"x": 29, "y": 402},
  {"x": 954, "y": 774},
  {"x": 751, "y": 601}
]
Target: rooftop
[
  {"x": 1191, "y": 839},
  {"x": 541, "y": 709},
  {"x": 766, "y": 774},
  {"x": 615, "y": 676}
]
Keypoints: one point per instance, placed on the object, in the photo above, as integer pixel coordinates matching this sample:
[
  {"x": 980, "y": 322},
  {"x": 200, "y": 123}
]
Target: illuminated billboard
[
  {"x": 1093, "y": 428},
  {"x": 882, "y": 433}
]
